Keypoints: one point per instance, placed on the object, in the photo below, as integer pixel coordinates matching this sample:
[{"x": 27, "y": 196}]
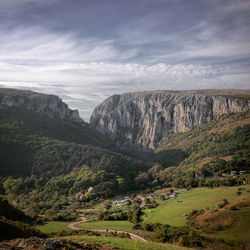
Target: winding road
[{"x": 73, "y": 227}]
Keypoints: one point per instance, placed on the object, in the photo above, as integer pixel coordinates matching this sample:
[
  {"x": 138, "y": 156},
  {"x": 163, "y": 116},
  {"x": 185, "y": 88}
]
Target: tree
[
  {"x": 107, "y": 204},
  {"x": 155, "y": 170},
  {"x": 87, "y": 195},
  {"x": 129, "y": 203},
  {"x": 142, "y": 178}
]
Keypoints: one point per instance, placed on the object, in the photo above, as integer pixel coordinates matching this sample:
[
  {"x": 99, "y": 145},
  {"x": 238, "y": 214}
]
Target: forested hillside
[
  {"x": 221, "y": 146},
  {"x": 11, "y": 225},
  {"x": 45, "y": 159}
]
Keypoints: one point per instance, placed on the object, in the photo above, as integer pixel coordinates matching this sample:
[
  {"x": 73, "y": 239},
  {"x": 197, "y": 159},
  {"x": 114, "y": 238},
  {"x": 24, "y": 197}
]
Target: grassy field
[
  {"x": 125, "y": 244},
  {"x": 53, "y": 227},
  {"x": 239, "y": 231},
  {"x": 172, "y": 212},
  {"x": 115, "y": 225}
]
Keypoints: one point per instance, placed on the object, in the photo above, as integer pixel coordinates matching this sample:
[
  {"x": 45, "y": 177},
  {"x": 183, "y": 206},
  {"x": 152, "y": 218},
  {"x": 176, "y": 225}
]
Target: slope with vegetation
[
  {"x": 48, "y": 163},
  {"x": 44, "y": 160},
  {"x": 221, "y": 146},
  {"x": 13, "y": 223}
]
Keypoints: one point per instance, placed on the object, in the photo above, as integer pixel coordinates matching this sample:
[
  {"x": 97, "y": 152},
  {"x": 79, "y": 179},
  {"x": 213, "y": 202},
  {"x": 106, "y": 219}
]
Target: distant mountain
[
  {"x": 46, "y": 115},
  {"x": 140, "y": 121},
  {"x": 47, "y": 105}
]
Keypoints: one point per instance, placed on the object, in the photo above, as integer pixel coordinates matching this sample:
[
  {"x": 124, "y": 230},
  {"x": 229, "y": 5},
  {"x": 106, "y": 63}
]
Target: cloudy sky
[{"x": 87, "y": 50}]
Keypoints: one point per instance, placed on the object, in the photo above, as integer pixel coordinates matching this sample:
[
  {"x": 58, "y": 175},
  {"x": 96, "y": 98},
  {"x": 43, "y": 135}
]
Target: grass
[
  {"x": 171, "y": 212},
  {"x": 125, "y": 244},
  {"x": 240, "y": 230},
  {"x": 53, "y": 226},
  {"x": 115, "y": 225}
]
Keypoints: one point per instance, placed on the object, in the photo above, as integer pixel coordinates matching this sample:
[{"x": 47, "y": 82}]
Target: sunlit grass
[
  {"x": 53, "y": 227},
  {"x": 172, "y": 212},
  {"x": 125, "y": 244}
]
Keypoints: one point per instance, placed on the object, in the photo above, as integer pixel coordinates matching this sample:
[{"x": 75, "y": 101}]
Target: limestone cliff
[
  {"x": 141, "y": 120},
  {"x": 48, "y": 105}
]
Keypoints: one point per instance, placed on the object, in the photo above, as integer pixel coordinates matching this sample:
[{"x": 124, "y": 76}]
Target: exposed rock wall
[
  {"x": 141, "y": 120},
  {"x": 48, "y": 105}
]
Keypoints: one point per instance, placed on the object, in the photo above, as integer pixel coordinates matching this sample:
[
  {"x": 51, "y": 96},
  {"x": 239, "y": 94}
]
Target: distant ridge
[
  {"x": 140, "y": 120},
  {"x": 49, "y": 105}
]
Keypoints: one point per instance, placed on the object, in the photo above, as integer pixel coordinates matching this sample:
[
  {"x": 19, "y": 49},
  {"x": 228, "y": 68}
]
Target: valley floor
[{"x": 171, "y": 212}]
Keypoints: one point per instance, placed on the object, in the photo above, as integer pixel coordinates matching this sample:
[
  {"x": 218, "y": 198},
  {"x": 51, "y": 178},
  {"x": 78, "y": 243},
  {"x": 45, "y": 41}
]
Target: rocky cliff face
[
  {"x": 141, "y": 120},
  {"x": 48, "y": 105}
]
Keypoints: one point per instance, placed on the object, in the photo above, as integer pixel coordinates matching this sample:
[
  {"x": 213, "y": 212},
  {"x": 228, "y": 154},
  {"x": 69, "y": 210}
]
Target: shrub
[{"x": 223, "y": 204}]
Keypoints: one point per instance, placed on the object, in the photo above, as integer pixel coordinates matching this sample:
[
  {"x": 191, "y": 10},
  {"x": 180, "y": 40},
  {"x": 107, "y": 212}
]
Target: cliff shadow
[{"x": 171, "y": 157}]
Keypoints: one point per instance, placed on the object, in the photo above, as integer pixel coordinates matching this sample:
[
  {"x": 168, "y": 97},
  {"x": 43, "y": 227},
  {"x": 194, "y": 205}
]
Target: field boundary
[{"x": 73, "y": 227}]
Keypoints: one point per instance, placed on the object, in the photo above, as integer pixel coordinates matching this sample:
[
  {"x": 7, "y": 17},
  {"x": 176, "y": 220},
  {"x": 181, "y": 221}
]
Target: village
[
  {"x": 200, "y": 175},
  {"x": 164, "y": 195}
]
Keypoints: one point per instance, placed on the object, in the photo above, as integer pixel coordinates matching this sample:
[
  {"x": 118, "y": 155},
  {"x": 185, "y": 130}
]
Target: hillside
[
  {"x": 213, "y": 151},
  {"x": 224, "y": 138},
  {"x": 46, "y": 115},
  {"x": 48, "y": 105},
  {"x": 55, "y": 157},
  {"x": 139, "y": 121},
  {"x": 12, "y": 223}
]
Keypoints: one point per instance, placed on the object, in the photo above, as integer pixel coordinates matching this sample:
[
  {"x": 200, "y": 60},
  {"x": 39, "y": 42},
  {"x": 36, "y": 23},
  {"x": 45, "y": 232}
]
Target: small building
[
  {"x": 224, "y": 174},
  {"x": 233, "y": 173},
  {"x": 90, "y": 189},
  {"x": 242, "y": 172}
]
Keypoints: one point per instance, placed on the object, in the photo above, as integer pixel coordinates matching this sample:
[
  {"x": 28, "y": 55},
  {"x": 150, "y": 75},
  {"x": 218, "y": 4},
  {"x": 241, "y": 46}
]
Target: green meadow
[
  {"x": 125, "y": 244},
  {"x": 240, "y": 230},
  {"x": 172, "y": 212},
  {"x": 53, "y": 226},
  {"x": 115, "y": 225}
]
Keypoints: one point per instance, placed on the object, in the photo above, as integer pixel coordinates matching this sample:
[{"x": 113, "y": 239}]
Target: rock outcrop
[
  {"x": 141, "y": 120},
  {"x": 48, "y": 105}
]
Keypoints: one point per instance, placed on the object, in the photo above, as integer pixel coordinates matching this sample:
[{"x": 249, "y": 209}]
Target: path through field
[{"x": 83, "y": 219}]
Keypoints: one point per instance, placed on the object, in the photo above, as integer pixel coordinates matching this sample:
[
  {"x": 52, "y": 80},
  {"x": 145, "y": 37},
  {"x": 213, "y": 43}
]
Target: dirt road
[{"x": 83, "y": 219}]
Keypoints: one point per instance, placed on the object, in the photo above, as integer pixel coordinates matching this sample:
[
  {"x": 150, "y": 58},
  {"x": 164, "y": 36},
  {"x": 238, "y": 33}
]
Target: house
[
  {"x": 121, "y": 201},
  {"x": 90, "y": 189},
  {"x": 199, "y": 174},
  {"x": 242, "y": 172},
  {"x": 233, "y": 173},
  {"x": 150, "y": 197}
]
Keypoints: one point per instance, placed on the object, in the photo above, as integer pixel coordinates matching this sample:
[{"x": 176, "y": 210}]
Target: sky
[{"x": 87, "y": 50}]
